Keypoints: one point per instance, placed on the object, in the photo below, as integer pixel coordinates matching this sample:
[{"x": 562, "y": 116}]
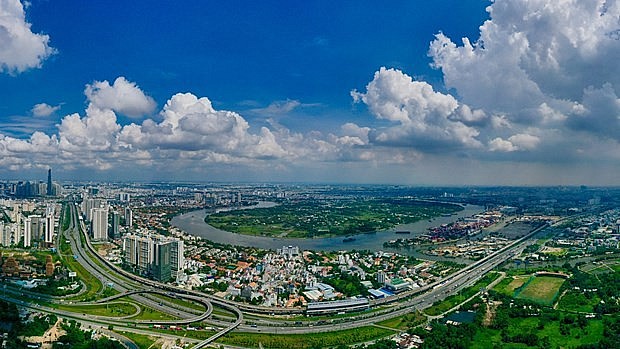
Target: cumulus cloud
[
  {"x": 424, "y": 118},
  {"x": 44, "y": 109},
  {"x": 122, "y": 96},
  {"x": 20, "y": 48},
  {"x": 534, "y": 59},
  {"x": 192, "y": 124}
]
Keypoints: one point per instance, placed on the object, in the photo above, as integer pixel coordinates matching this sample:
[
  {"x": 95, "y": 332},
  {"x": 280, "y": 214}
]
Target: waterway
[{"x": 193, "y": 223}]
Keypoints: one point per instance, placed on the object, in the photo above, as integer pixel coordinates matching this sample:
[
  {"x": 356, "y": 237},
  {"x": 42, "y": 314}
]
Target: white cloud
[
  {"x": 534, "y": 59},
  {"x": 425, "y": 119},
  {"x": 501, "y": 145},
  {"x": 122, "y": 96},
  {"x": 20, "y": 48},
  {"x": 192, "y": 124},
  {"x": 516, "y": 142},
  {"x": 44, "y": 109},
  {"x": 524, "y": 141}
]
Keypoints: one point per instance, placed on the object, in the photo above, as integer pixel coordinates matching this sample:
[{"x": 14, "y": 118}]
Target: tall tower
[
  {"x": 99, "y": 223},
  {"x": 49, "y": 182}
]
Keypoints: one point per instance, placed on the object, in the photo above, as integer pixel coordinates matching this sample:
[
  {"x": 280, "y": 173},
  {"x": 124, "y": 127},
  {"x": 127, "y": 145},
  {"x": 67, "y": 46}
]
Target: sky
[{"x": 447, "y": 92}]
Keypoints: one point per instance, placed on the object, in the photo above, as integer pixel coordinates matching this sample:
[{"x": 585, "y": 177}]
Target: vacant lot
[{"x": 541, "y": 289}]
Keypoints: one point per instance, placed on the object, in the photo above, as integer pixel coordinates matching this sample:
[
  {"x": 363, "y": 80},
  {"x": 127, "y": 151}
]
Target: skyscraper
[
  {"x": 114, "y": 232},
  {"x": 49, "y": 228},
  {"x": 99, "y": 223},
  {"x": 27, "y": 232},
  {"x": 50, "y": 189}
]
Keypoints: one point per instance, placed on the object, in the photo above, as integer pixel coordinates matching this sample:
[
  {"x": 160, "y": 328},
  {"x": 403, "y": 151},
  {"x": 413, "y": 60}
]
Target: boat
[
  {"x": 350, "y": 239},
  {"x": 403, "y": 232}
]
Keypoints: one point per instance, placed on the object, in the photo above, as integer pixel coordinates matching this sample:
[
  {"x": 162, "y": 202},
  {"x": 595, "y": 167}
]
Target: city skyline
[{"x": 446, "y": 93}]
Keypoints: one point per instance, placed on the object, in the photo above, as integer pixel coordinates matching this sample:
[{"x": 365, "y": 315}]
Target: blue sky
[{"x": 318, "y": 91}]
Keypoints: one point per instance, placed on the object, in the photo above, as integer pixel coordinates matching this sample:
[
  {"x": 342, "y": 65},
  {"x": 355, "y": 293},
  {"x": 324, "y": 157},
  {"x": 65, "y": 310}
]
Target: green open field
[
  {"x": 151, "y": 314},
  {"x": 115, "y": 309},
  {"x": 141, "y": 340},
  {"x": 303, "y": 341},
  {"x": 180, "y": 301},
  {"x": 510, "y": 284},
  {"x": 541, "y": 289},
  {"x": 313, "y": 218},
  {"x": 404, "y": 322}
]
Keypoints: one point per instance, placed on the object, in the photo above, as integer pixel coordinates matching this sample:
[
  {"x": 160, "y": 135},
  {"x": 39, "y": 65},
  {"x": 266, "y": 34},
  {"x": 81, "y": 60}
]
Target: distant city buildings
[{"x": 28, "y": 223}]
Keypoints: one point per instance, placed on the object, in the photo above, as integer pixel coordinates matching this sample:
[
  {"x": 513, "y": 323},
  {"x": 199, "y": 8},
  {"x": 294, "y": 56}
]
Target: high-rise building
[
  {"x": 114, "y": 232},
  {"x": 176, "y": 257},
  {"x": 128, "y": 217},
  {"x": 50, "y": 188},
  {"x": 9, "y": 234},
  {"x": 49, "y": 225},
  {"x": 27, "y": 232},
  {"x": 381, "y": 277},
  {"x": 88, "y": 204},
  {"x": 154, "y": 255},
  {"x": 124, "y": 197},
  {"x": 160, "y": 268},
  {"x": 99, "y": 223},
  {"x": 49, "y": 228}
]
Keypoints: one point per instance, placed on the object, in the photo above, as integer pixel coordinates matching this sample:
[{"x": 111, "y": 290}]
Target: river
[{"x": 193, "y": 223}]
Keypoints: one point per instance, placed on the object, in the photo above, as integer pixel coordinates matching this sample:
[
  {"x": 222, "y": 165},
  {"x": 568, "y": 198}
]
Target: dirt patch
[{"x": 489, "y": 316}]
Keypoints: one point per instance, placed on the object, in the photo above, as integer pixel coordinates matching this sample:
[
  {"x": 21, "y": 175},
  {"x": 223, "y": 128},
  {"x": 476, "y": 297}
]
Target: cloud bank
[{"x": 20, "y": 48}]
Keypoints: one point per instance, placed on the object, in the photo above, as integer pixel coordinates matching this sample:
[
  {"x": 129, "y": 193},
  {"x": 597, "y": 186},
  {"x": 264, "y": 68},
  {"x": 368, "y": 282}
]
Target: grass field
[
  {"x": 115, "y": 309},
  {"x": 142, "y": 341},
  {"x": 541, "y": 289},
  {"x": 152, "y": 314},
  {"x": 510, "y": 284},
  {"x": 404, "y": 322},
  {"x": 303, "y": 341}
]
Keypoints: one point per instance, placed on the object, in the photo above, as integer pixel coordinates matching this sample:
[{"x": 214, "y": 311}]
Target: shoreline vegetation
[{"x": 314, "y": 218}]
